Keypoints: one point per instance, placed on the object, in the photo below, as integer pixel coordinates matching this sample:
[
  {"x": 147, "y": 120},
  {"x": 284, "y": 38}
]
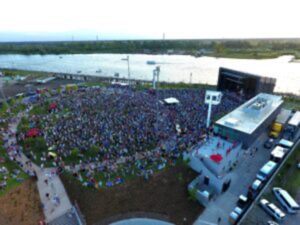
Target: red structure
[{"x": 216, "y": 158}]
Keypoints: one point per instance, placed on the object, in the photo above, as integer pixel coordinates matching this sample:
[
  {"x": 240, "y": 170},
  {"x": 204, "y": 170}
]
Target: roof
[
  {"x": 45, "y": 80},
  {"x": 295, "y": 120},
  {"x": 268, "y": 167},
  {"x": 215, "y": 153},
  {"x": 249, "y": 116},
  {"x": 283, "y": 116},
  {"x": 278, "y": 152},
  {"x": 171, "y": 100}
]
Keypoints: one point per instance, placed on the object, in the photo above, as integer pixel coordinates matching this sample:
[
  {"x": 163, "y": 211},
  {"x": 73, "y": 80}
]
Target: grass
[
  {"x": 16, "y": 72},
  {"x": 292, "y": 103},
  {"x": 39, "y": 109},
  {"x": 289, "y": 175},
  {"x": 10, "y": 166}
]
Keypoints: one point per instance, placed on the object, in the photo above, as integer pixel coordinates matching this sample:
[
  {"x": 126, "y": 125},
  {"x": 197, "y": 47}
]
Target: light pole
[
  {"x": 211, "y": 98},
  {"x": 128, "y": 66},
  {"x": 155, "y": 80}
]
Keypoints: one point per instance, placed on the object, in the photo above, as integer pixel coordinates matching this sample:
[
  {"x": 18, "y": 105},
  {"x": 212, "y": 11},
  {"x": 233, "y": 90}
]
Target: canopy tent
[
  {"x": 171, "y": 101},
  {"x": 52, "y": 154},
  {"x": 33, "y": 132},
  {"x": 52, "y": 106}
]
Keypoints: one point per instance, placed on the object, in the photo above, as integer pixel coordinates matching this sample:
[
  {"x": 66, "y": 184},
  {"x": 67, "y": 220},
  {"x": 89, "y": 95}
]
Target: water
[{"x": 174, "y": 68}]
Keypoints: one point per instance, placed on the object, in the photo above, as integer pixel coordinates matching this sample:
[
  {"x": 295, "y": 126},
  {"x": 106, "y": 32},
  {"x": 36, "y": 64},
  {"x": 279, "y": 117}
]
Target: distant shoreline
[{"x": 227, "y": 48}]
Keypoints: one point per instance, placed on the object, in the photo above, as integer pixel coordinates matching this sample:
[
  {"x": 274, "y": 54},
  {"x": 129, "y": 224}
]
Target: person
[{"x": 219, "y": 220}]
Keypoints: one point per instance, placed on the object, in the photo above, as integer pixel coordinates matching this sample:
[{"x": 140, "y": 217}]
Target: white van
[
  {"x": 266, "y": 171},
  {"x": 286, "y": 200},
  {"x": 285, "y": 143}
]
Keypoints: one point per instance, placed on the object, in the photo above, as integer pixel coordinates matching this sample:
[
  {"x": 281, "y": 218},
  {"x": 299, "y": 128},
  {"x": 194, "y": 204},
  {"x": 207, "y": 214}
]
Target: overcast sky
[{"x": 135, "y": 19}]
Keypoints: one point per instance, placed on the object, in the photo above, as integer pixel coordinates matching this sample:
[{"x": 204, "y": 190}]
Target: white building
[{"x": 213, "y": 160}]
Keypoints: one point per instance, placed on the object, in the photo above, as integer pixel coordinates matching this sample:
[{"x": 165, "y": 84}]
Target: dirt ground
[
  {"x": 21, "y": 206},
  {"x": 164, "y": 195}
]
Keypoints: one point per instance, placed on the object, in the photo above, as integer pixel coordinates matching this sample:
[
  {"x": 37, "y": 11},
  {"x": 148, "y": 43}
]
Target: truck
[
  {"x": 279, "y": 123},
  {"x": 276, "y": 130},
  {"x": 292, "y": 126}
]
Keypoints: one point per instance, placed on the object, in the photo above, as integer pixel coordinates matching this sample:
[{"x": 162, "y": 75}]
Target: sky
[{"x": 140, "y": 19}]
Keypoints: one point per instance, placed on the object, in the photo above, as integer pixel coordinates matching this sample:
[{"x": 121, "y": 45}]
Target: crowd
[{"x": 122, "y": 132}]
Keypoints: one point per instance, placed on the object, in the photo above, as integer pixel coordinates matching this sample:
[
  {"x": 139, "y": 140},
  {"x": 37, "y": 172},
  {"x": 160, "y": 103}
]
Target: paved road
[
  {"x": 57, "y": 202},
  {"x": 258, "y": 216}
]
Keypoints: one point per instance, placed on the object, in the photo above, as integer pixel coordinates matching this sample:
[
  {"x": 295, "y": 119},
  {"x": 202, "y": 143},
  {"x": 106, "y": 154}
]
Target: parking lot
[{"x": 258, "y": 216}]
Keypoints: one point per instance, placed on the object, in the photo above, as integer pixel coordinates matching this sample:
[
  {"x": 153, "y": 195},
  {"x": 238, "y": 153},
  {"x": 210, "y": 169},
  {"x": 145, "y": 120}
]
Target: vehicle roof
[
  {"x": 295, "y": 120},
  {"x": 286, "y": 142},
  {"x": 256, "y": 183},
  {"x": 287, "y": 196},
  {"x": 268, "y": 167}
]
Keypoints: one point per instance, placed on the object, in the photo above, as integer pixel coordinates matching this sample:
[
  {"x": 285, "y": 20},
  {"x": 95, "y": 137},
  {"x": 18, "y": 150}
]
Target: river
[{"x": 173, "y": 68}]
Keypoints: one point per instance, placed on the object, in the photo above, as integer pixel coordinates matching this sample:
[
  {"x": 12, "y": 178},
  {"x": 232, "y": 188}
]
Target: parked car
[
  {"x": 235, "y": 214},
  {"x": 271, "y": 222},
  {"x": 286, "y": 200},
  {"x": 255, "y": 188},
  {"x": 272, "y": 210},
  {"x": 242, "y": 202},
  {"x": 266, "y": 171},
  {"x": 269, "y": 143},
  {"x": 286, "y": 143}
]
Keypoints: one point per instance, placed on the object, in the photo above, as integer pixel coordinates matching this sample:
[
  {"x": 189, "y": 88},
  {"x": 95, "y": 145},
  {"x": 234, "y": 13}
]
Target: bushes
[
  {"x": 23, "y": 125},
  {"x": 36, "y": 144}
]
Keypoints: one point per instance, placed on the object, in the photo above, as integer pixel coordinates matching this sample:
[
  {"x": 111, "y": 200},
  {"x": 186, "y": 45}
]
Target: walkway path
[{"x": 54, "y": 198}]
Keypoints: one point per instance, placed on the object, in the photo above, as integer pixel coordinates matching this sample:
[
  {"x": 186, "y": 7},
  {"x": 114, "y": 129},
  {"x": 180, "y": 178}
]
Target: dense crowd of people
[{"x": 123, "y": 132}]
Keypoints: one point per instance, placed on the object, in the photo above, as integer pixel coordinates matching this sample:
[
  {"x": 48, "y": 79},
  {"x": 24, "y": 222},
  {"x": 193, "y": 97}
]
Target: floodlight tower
[
  {"x": 155, "y": 80},
  {"x": 211, "y": 98}
]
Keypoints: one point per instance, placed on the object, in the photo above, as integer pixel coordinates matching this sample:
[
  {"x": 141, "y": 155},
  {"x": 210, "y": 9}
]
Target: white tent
[{"x": 171, "y": 101}]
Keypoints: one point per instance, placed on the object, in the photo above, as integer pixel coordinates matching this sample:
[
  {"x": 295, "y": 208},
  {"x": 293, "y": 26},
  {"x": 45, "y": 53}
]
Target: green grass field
[
  {"x": 10, "y": 166},
  {"x": 289, "y": 175}
]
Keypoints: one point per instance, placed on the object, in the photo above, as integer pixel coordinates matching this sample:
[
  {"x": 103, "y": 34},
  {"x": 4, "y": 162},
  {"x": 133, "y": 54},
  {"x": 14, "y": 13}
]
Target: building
[
  {"x": 250, "y": 120},
  {"x": 245, "y": 83},
  {"x": 216, "y": 157}
]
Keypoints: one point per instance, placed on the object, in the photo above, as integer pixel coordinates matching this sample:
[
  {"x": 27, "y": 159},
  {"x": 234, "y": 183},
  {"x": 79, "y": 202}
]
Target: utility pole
[{"x": 191, "y": 76}]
